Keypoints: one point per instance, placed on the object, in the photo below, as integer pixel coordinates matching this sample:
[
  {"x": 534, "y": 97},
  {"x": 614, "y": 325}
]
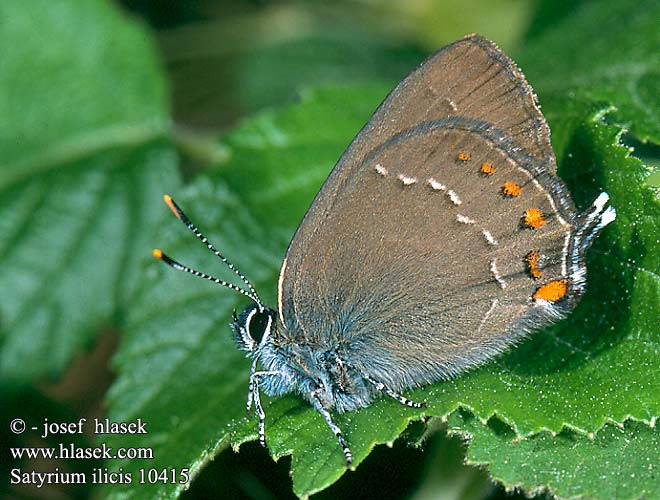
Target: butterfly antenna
[
  {"x": 176, "y": 210},
  {"x": 160, "y": 255}
]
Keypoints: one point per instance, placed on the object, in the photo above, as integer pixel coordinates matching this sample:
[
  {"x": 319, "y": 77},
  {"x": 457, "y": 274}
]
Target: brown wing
[
  {"x": 413, "y": 254},
  {"x": 472, "y": 78}
]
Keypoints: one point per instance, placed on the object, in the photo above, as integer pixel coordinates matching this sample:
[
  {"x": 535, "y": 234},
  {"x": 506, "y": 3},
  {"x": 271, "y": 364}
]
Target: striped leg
[
  {"x": 394, "y": 395},
  {"x": 253, "y": 397},
  {"x": 254, "y": 383},
  {"x": 250, "y": 396},
  {"x": 333, "y": 427},
  {"x": 260, "y": 413}
]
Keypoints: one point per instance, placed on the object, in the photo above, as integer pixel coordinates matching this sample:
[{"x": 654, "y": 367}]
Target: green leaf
[
  {"x": 85, "y": 155},
  {"x": 604, "y": 51},
  {"x": 82, "y": 167},
  {"x": 581, "y": 373},
  {"x": 179, "y": 370},
  {"x": 618, "y": 461},
  {"x": 63, "y": 99}
]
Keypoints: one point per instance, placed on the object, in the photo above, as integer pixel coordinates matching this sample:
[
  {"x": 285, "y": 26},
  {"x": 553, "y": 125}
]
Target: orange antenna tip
[
  {"x": 158, "y": 253},
  {"x": 173, "y": 206}
]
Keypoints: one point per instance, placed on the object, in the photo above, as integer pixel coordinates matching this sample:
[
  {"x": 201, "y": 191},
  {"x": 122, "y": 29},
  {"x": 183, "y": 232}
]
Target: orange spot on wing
[
  {"x": 463, "y": 156},
  {"x": 158, "y": 253},
  {"x": 532, "y": 259},
  {"x": 511, "y": 189},
  {"x": 488, "y": 168},
  {"x": 552, "y": 291},
  {"x": 534, "y": 218}
]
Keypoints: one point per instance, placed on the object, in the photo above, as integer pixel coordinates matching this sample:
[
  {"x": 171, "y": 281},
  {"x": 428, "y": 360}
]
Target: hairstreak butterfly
[{"x": 441, "y": 237}]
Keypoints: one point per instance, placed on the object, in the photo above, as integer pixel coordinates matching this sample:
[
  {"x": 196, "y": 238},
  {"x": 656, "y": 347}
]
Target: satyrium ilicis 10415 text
[{"x": 441, "y": 237}]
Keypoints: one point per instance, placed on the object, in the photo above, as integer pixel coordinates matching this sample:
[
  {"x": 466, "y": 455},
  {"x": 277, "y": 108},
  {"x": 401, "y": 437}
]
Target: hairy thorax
[{"x": 304, "y": 369}]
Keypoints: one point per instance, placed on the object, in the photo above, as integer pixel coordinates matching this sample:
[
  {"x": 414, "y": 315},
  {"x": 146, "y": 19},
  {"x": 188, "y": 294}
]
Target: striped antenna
[
  {"x": 252, "y": 293},
  {"x": 158, "y": 253}
]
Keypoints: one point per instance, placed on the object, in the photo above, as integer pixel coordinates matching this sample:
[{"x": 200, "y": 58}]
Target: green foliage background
[{"x": 239, "y": 110}]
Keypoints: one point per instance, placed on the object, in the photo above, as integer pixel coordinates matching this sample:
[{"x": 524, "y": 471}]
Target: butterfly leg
[
  {"x": 261, "y": 414},
  {"x": 318, "y": 406},
  {"x": 250, "y": 397},
  {"x": 254, "y": 382},
  {"x": 254, "y": 398},
  {"x": 394, "y": 395}
]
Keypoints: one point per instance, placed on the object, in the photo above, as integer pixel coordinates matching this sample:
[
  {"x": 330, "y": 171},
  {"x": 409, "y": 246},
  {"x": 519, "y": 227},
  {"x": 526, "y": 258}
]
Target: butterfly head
[{"x": 252, "y": 328}]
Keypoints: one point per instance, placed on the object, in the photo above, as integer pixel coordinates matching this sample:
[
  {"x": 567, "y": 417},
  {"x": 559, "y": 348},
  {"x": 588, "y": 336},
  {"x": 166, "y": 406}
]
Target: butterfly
[{"x": 441, "y": 237}]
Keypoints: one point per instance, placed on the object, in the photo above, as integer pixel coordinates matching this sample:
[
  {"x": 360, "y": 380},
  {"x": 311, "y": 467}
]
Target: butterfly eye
[{"x": 258, "y": 325}]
